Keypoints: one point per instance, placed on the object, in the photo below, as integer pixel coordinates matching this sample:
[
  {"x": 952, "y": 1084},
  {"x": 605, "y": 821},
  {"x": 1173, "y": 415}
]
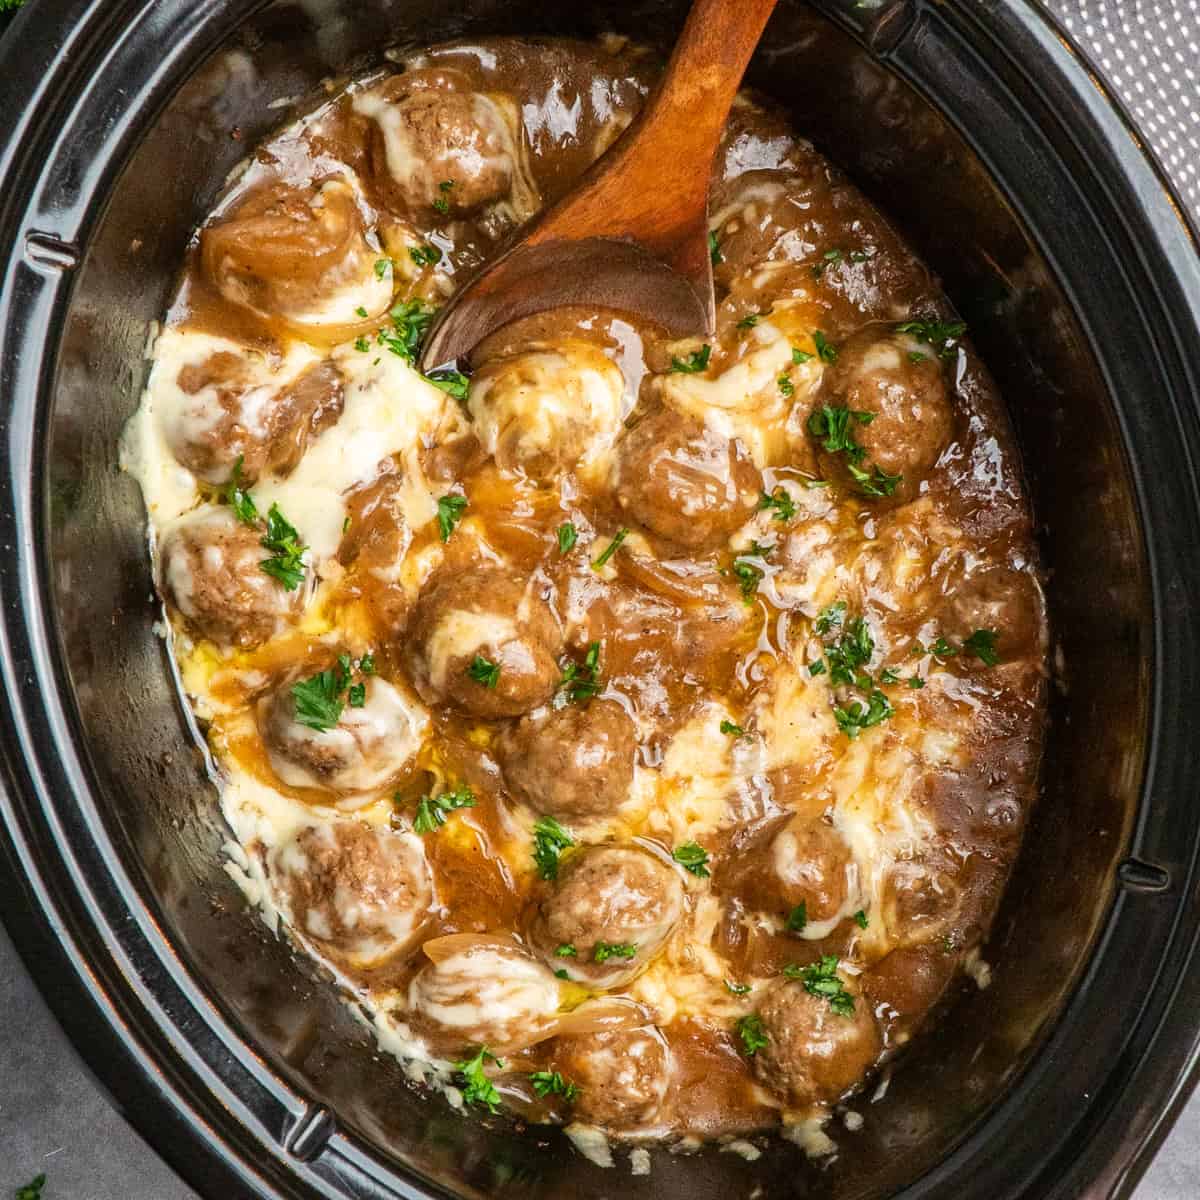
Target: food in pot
[{"x": 642, "y": 730}]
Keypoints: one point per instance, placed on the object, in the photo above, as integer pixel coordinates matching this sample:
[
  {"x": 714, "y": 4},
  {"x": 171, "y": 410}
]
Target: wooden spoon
[{"x": 633, "y": 234}]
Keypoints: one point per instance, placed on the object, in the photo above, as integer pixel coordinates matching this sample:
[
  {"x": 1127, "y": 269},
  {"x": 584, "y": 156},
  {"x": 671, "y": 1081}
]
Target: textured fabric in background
[{"x": 1149, "y": 51}]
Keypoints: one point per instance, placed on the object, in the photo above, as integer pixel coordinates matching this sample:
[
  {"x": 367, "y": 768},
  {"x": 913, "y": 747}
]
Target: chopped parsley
[
  {"x": 695, "y": 362},
  {"x": 915, "y": 356},
  {"x": 450, "y": 509},
  {"x": 801, "y": 356},
  {"x": 849, "y": 652},
  {"x": 484, "y": 671},
  {"x": 568, "y": 535},
  {"x": 831, "y": 424},
  {"x": 714, "y": 249},
  {"x": 821, "y": 979},
  {"x": 876, "y": 481},
  {"x": 361, "y": 312},
  {"x": 611, "y": 548},
  {"x": 432, "y": 811},
  {"x": 748, "y": 576},
  {"x": 603, "y": 951},
  {"x": 362, "y": 345},
  {"x": 916, "y": 682},
  {"x": 856, "y": 716},
  {"x": 546, "y": 1083},
  {"x": 287, "y": 552},
  {"x": 453, "y": 383},
  {"x": 737, "y": 989},
  {"x": 580, "y": 682},
  {"x": 410, "y": 324},
  {"x": 382, "y": 267},
  {"x": 941, "y": 335},
  {"x": 565, "y": 950},
  {"x": 477, "y": 1088},
  {"x": 786, "y": 387},
  {"x": 424, "y": 256},
  {"x": 356, "y": 696},
  {"x": 827, "y": 259},
  {"x": 860, "y": 919},
  {"x": 752, "y": 1032},
  {"x": 317, "y": 700},
  {"x": 693, "y": 857},
  {"x": 781, "y": 504},
  {"x": 550, "y": 839},
  {"x": 561, "y": 974},
  {"x": 830, "y": 617},
  {"x": 982, "y": 644},
  {"x": 816, "y": 668},
  {"x": 733, "y": 730},
  {"x": 797, "y": 918},
  {"x": 33, "y": 1189},
  {"x": 943, "y": 649},
  {"x": 887, "y": 675},
  {"x": 238, "y": 498},
  {"x": 749, "y": 321},
  {"x": 366, "y": 664},
  {"x": 442, "y": 203},
  {"x": 827, "y": 352}
]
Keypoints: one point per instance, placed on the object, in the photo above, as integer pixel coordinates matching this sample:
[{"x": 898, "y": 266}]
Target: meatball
[
  {"x": 899, "y": 382},
  {"x": 436, "y": 149},
  {"x": 360, "y": 893},
  {"x": 800, "y": 861},
  {"x": 921, "y": 901},
  {"x": 370, "y": 746},
  {"x": 487, "y": 993},
  {"x": 541, "y": 411},
  {"x": 575, "y": 762},
  {"x": 231, "y": 419},
  {"x": 814, "y": 1054},
  {"x": 684, "y": 481},
  {"x": 613, "y": 907},
  {"x": 211, "y": 573},
  {"x": 484, "y": 642},
  {"x": 622, "y": 1075},
  {"x": 1003, "y": 598},
  {"x": 296, "y": 252}
]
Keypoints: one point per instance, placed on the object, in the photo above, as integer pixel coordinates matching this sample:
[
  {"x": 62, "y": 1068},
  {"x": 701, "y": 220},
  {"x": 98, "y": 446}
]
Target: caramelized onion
[{"x": 439, "y": 949}]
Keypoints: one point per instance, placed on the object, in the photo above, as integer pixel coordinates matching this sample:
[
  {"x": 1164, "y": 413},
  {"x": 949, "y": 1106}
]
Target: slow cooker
[{"x": 982, "y": 135}]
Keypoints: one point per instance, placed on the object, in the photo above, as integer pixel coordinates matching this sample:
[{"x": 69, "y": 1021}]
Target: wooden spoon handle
[{"x": 652, "y": 185}]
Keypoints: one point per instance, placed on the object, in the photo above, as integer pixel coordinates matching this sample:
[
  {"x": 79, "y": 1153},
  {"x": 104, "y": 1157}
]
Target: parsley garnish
[
  {"x": 424, "y": 256},
  {"x": 860, "y": 919},
  {"x": 692, "y": 857},
  {"x": 450, "y": 509},
  {"x": 237, "y": 497},
  {"x": 827, "y": 352},
  {"x": 752, "y": 1032},
  {"x": 801, "y": 356},
  {"x": 33, "y": 1189},
  {"x": 317, "y": 700},
  {"x": 603, "y": 951},
  {"x": 831, "y": 423},
  {"x": 856, "y": 716},
  {"x": 733, "y": 730},
  {"x": 830, "y": 617},
  {"x": 550, "y": 839},
  {"x": 442, "y": 203},
  {"x": 797, "y": 918},
  {"x": 581, "y": 682},
  {"x": 915, "y": 356},
  {"x": 484, "y": 671},
  {"x": 916, "y": 682},
  {"x": 477, "y": 1087},
  {"x": 780, "y": 501},
  {"x": 356, "y": 697},
  {"x": 821, "y": 979},
  {"x": 982, "y": 644},
  {"x": 828, "y": 258},
  {"x": 876, "y": 481},
  {"x": 943, "y": 649},
  {"x": 565, "y": 950},
  {"x": 382, "y": 267},
  {"x": 366, "y": 664},
  {"x": 786, "y": 387},
  {"x": 737, "y": 989},
  {"x": 361, "y": 312},
  {"x": 695, "y": 362},
  {"x": 714, "y": 249},
  {"x": 748, "y": 576},
  {"x": 410, "y": 324},
  {"x": 433, "y": 810},
  {"x": 611, "y": 548},
  {"x": 887, "y": 675},
  {"x": 453, "y": 383},
  {"x": 941, "y": 335},
  {"x": 547, "y": 1082},
  {"x": 287, "y": 553},
  {"x": 749, "y": 321},
  {"x": 568, "y": 535},
  {"x": 851, "y": 651},
  {"x": 361, "y": 345}
]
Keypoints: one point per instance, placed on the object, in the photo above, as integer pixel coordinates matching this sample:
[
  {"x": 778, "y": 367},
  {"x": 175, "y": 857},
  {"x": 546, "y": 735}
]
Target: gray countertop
[{"x": 55, "y": 1119}]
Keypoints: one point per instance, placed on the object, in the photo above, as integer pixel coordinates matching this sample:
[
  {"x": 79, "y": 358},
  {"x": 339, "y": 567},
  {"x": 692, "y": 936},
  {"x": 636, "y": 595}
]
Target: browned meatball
[
  {"x": 899, "y": 382},
  {"x": 613, "y": 907},
  {"x": 230, "y": 417},
  {"x": 286, "y": 250},
  {"x": 801, "y": 861},
  {"x": 360, "y": 893},
  {"x": 622, "y": 1075},
  {"x": 683, "y": 481},
  {"x": 484, "y": 641},
  {"x": 211, "y": 573},
  {"x": 1004, "y": 599},
  {"x": 814, "y": 1054},
  {"x": 374, "y": 544},
  {"x": 921, "y": 901},
  {"x": 575, "y": 762},
  {"x": 370, "y": 745},
  {"x": 436, "y": 148}
]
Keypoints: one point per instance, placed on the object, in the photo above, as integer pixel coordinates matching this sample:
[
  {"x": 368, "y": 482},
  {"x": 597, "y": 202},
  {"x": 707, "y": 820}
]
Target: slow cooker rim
[{"x": 121, "y": 1024}]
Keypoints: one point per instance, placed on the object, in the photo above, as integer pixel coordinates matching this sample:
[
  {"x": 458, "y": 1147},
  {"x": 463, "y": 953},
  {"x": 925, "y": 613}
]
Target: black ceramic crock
[{"x": 989, "y": 143}]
